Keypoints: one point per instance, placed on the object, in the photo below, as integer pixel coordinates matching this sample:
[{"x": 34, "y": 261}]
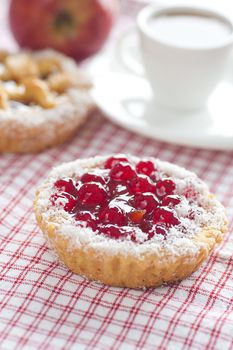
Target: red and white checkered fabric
[{"x": 45, "y": 306}]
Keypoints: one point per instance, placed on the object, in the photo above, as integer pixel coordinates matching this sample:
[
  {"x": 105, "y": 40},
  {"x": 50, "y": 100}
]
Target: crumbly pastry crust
[
  {"x": 124, "y": 263},
  {"x": 56, "y": 115}
]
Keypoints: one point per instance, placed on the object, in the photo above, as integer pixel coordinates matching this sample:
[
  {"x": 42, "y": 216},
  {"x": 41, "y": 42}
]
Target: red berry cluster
[{"x": 126, "y": 197}]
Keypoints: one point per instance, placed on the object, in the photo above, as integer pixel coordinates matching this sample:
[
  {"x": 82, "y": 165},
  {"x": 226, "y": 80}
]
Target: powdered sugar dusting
[
  {"x": 197, "y": 210},
  {"x": 67, "y": 107}
]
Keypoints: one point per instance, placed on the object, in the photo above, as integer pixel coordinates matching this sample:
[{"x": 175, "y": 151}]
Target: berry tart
[
  {"x": 44, "y": 98},
  {"x": 127, "y": 221}
]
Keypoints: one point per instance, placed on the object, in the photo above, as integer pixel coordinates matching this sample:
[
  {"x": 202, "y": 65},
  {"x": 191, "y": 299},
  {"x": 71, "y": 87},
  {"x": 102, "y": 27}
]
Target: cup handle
[
  {"x": 128, "y": 49},
  {"x": 128, "y": 54}
]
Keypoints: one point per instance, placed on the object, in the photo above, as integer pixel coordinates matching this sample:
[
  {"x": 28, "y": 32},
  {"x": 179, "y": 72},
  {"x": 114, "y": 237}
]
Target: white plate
[{"x": 127, "y": 100}]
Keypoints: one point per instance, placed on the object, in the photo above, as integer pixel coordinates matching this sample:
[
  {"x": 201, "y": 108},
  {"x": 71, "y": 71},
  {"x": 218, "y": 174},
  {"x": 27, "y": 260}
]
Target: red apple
[{"x": 77, "y": 28}]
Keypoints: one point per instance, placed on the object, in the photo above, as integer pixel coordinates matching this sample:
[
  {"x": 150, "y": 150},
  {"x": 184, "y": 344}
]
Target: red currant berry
[
  {"x": 90, "y": 177},
  {"x": 147, "y": 201},
  {"x": 166, "y": 216},
  {"x": 146, "y": 226},
  {"x": 115, "y": 188},
  {"x": 92, "y": 194},
  {"x": 145, "y": 167},
  {"x": 112, "y": 161},
  {"x": 122, "y": 172},
  {"x": 170, "y": 201},
  {"x": 88, "y": 218},
  {"x": 141, "y": 184},
  {"x": 161, "y": 230},
  {"x": 113, "y": 215},
  {"x": 66, "y": 185},
  {"x": 157, "y": 229},
  {"x": 165, "y": 187},
  {"x": 66, "y": 200},
  {"x": 113, "y": 231}
]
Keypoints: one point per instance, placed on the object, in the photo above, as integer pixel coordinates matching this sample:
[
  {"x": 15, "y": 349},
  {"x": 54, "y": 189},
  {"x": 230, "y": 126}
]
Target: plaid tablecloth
[{"x": 45, "y": 306}]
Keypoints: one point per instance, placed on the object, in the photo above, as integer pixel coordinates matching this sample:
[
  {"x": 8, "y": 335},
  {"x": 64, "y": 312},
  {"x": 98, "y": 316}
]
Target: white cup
[{"x": 182, "y": 77}]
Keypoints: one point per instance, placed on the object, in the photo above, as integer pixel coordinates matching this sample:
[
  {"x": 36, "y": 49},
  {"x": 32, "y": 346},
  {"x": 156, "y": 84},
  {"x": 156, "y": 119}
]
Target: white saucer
[{"x": 127, "y": 100}]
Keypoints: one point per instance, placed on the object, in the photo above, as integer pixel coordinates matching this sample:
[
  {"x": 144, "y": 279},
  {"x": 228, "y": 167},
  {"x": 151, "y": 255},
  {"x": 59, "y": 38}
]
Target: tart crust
[
  {"x": 147, "y": 269},
  {"x": 30, "y": 129}
]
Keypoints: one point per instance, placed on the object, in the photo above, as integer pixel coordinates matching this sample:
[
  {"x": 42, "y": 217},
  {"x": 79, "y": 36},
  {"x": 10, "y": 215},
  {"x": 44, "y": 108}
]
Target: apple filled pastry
[
  {"x": 44, "y": 98},
  {"x": 127, "y": 221}
]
